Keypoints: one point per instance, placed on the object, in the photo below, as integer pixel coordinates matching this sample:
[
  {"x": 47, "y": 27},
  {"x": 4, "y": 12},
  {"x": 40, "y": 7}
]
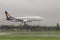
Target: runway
[
  {"x": 10, "y": 34},
  {"x": 38, "y": 35}
]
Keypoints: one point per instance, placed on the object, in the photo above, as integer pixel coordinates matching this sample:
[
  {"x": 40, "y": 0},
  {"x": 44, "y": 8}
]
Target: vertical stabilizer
[{"x": 7, "y": 15}]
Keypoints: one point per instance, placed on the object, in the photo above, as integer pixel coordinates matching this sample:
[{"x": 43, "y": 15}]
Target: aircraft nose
[{"x": 41, "y": 18}]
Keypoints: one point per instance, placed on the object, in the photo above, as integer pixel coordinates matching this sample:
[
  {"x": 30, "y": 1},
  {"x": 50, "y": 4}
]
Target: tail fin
[{"x": 7, "y": 15}]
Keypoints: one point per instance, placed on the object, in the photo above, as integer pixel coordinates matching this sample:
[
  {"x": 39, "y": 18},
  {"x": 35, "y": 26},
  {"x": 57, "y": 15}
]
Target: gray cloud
[{"x": 49, "y": 9}]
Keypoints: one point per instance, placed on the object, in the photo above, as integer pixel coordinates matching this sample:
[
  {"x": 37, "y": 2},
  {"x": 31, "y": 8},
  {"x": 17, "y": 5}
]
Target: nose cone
[{"x": 41, "y": 18}]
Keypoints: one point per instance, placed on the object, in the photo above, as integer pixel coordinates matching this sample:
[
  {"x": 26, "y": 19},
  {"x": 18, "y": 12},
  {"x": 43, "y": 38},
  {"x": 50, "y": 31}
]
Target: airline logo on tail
[{"x": 7, "y": 15}]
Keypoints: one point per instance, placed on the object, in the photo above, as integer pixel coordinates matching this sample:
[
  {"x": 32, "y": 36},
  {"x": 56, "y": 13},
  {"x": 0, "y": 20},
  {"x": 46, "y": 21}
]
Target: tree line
[{"x": 29, "y": 27}]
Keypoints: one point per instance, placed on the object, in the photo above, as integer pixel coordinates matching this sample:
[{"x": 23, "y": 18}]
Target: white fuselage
[
  {"x": 29, "y": 18},
  {"x": 26, "y": 19}
]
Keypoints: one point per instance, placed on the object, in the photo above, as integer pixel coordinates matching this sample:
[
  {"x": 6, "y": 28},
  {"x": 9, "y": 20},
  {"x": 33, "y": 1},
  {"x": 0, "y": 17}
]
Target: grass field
[
  {"x": 29, "y": 38},
  {"x": 9, "y": 37}
]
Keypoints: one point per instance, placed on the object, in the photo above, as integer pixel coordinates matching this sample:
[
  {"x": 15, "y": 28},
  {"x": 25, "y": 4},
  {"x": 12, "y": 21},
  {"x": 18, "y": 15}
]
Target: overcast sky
[{"x": 48, "y": 9}]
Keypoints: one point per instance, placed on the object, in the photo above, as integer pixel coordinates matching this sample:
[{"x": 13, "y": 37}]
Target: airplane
[{"x": 22, "y": 19}]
